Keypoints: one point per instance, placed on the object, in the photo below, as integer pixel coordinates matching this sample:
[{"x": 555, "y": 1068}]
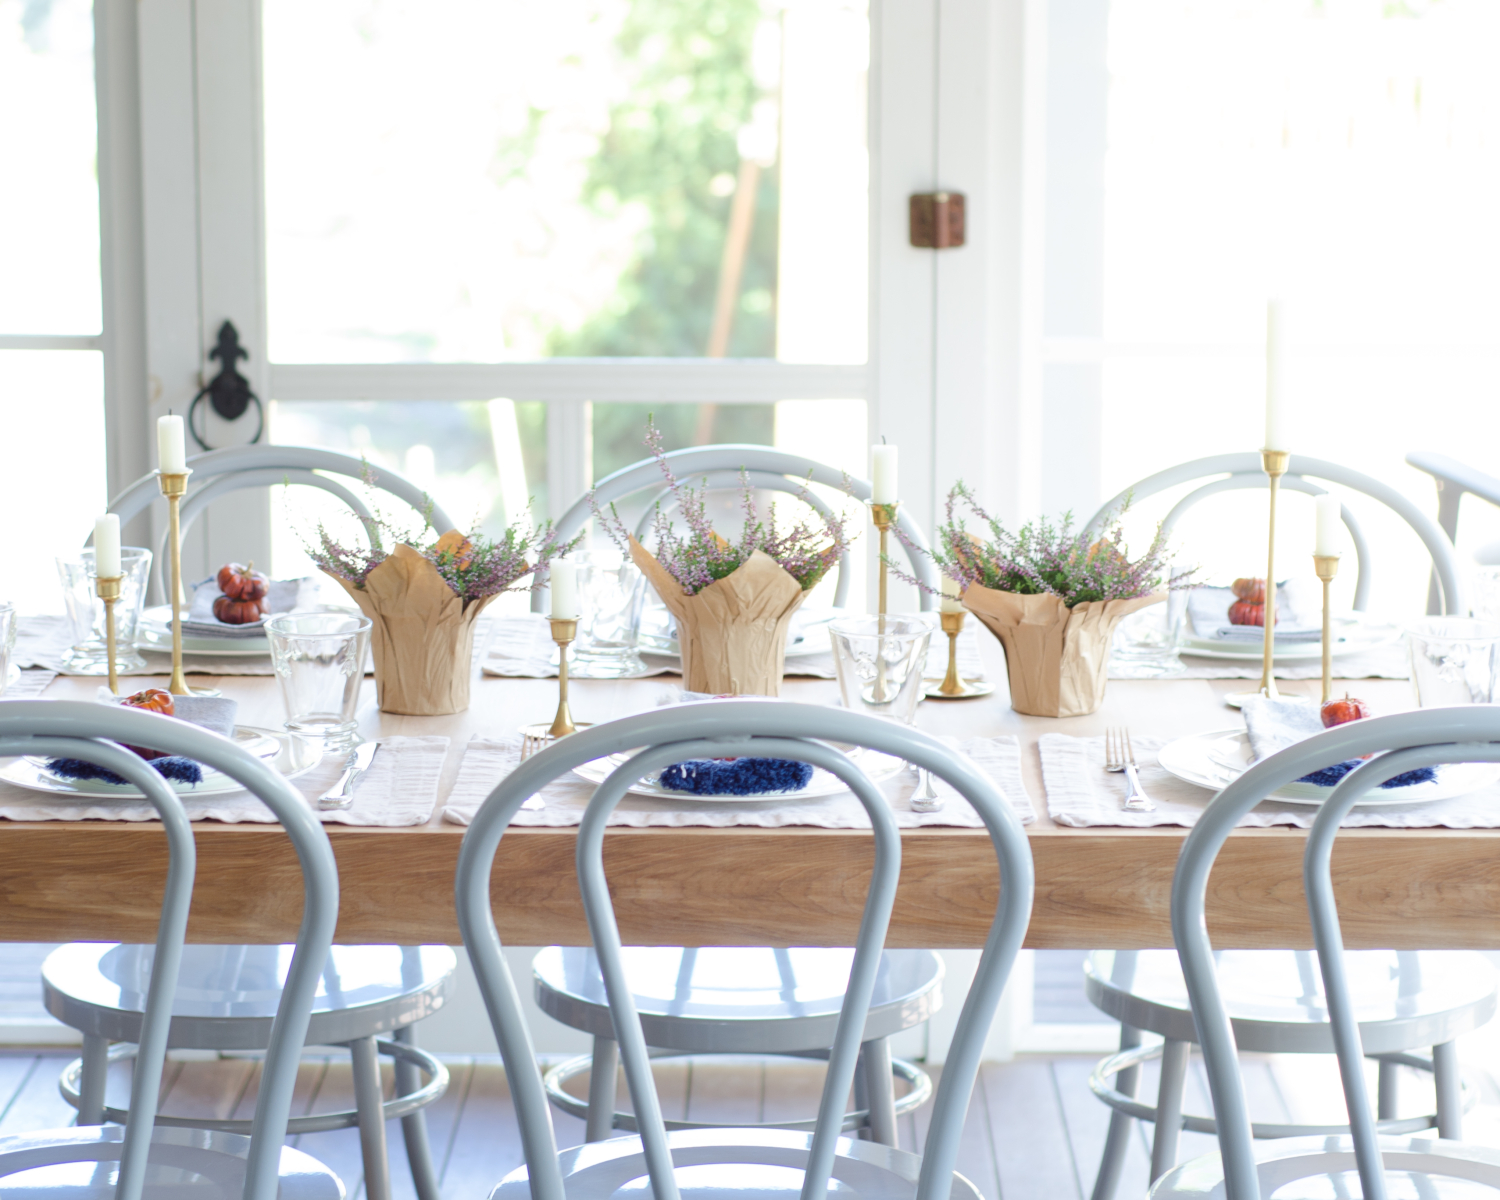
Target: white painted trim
[
  {"x": 624, "y": 380},
  {"x": 51, "y": 341}
]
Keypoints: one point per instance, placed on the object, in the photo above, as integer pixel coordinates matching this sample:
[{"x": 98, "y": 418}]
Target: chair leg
[
  {"x": 414, "y": 1128},
  {"x": 601, "y": 1122},
  {"x": 369, "y": 1101},
  {"x": 1174, "y": 1063},
  {"x": 880, "y": 1090},
  {"x": 1113, "y": 1160},
  {"x": 1388, "y": 1091},
  {"x": 91, "y": 1086},
  {"x": 1450, "y": 1097}
]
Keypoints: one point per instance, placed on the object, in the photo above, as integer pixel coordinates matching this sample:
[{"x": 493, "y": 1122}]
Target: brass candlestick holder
[
  {"x": 564, "y": 630},
  {"x": 109, "y": 588},
  {"x": 884, "y": 516},
  {"x": 1274, "y": 463},
  {"x": 1327, "y": 566},
  {"x": 953, "y": 686},
  {"x": 174, "y": 487}
]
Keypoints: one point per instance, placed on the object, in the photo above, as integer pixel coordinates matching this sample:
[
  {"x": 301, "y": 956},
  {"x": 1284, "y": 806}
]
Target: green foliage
[{"x": 690, "y": 91}]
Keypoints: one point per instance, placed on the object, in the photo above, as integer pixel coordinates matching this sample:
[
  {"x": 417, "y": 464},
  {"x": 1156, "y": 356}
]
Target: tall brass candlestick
[
  {"x": 174, "y": 487},
  {"x": 109, "y": 587},
  {"x": 1327, "y": 566},
  {"x": 1274, "y": 463},
  {"x": 884, "y": 516},
  {"x": 563, "y": 631}
]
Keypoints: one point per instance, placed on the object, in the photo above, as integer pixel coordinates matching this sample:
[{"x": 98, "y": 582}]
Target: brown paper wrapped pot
[
  {"x": 423, "y": 635},
  {"x": 732, "y": 633},
  {"x": 1056, "y": 657}
]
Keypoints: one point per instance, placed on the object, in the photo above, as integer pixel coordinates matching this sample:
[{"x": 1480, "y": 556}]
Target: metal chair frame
[
  {"x": 93, "y": 732},
  {"x": 1244, "y": 471},
  {"x": 726, "y": 728},
  {"x": 768, "y": 468},
  {"x": 1401, "y": 742},
  {"x": 1454, "y": 481}
]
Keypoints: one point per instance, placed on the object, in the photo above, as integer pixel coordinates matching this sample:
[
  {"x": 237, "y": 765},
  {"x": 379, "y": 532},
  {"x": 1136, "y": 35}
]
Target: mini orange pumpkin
[
  {"x": 238, "y": 612},
  {"x": 242, "y": 583},
  {"x": 1252, "y": 591},
  {"x": 1242, "y": 612},
  {"x": 152, "y": 700}
]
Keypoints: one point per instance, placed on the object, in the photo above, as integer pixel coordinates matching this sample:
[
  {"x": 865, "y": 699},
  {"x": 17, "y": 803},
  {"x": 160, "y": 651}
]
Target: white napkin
[
  {"x": 1209, "y": 609},
  {"x": 400, "y": 788},
  {"x": 1274, "y": 725},
  {"x": 28, "y": 685},
  {"x": 562, "y": 802},
  {"x": 1081, "y": 793}
]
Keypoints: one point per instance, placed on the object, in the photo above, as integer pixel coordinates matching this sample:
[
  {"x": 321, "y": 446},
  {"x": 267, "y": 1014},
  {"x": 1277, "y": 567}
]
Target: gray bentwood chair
[
  {"x": 1454, "y": 481},
  {"x": 164, "y": 1160},
  {"x": 720, "y": 465},
  {"x": 1319, "y": 1166},
  {"x": 219, "y": 473},
  {"x": 771, "y": 1162}
]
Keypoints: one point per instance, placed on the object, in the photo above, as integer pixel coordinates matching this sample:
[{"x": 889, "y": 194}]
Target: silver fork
[
  {"x": 533, "y": 743},
  {"x": 1119, "y": 756},
  {"x": 925, "y": 798}
]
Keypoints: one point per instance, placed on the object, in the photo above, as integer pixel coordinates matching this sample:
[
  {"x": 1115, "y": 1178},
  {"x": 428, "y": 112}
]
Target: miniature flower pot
[
  {"x": 733, "y": 632},
  {"x": 423, "y": 636},
  {"x": 1057, "y": 657}
]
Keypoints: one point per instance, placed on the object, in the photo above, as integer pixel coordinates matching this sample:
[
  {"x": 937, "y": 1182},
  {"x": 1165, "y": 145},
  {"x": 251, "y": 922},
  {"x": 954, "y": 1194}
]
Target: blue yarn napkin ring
[{"x": 736, "y": 776}]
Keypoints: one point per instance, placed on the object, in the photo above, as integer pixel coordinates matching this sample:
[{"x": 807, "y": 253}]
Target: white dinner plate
[
  {"x": 876, "y": 766},
  {"x": 1355, "y": 632},
  {"x": 1215, "y": 759},
  {"x": 154, "y": 632},
  {"x": 286, "y": 753}
]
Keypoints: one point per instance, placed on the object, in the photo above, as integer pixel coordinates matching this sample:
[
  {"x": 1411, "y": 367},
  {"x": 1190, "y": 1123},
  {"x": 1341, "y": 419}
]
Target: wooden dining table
[{"x": 794, "y": 885}]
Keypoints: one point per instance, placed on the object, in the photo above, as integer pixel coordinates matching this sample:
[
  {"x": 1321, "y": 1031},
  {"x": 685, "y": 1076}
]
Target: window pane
[
  {"x": 485, "y": 180},
  {"x": 52, "y": 411},
  {"x": 49, "y": 206},
  {"x": 1345, "y": 157}
]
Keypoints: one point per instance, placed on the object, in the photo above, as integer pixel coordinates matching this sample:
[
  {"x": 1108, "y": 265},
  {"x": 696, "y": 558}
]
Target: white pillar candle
[
  {"x": 1329, "y": 519},
  {"x": 883, "y": 474},
  {"x": 564, "y": 585},
  {"x": 1276, "y": 434},
  {"x": 951, "y": 592},
  {"x": 107, "y": 546},
  {"x": 171, "y": 446}
]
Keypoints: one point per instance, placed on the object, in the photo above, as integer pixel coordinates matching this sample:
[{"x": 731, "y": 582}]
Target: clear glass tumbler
[
  {"x": 1454, "y": 660},
  {"x": 319, "y": 658},
  {"x": 879, "y": 666},
  {"x": 1145, "y": 642},
  {"x": 89, "y": 653},
  {"x": 610, "y": 592},
  {"x": 9, "y": 672}
]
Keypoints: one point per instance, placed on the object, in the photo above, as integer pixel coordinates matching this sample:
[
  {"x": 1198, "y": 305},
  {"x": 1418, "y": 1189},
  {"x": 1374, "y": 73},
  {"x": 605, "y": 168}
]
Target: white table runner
[
  {"x": 1081, "y": 793},
  {"x": 400, "y": 788},
  {"x": 1381, "y": 662},
  {"x": 487, "y": 762},
  {"x": 29, "y": 685}
]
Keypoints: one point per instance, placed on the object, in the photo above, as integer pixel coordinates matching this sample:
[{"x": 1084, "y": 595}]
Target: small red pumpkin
[
  {"x": 242, "y": 583},
  {"x": 152, "y": 700},
  {"x": 1341, "y": 712},
  {"x": 238, "y": 612},
  {"x": 1242, "y": 612},
  {"x": 1252, "y": 591}
]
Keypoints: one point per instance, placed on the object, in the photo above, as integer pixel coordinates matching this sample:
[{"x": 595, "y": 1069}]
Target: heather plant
[
  {"x": 473, "y": 565},
  {"x": 695, "y": 555},
  {"x": 1077, "y": 567}
]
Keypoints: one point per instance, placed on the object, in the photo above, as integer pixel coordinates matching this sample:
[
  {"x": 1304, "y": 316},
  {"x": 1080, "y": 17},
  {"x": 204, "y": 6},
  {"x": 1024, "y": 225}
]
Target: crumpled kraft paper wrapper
[
  {"x": 1057, "y": 657},
  {"x": 423, "y": 635},
  {"x": 732, "y": 633}
]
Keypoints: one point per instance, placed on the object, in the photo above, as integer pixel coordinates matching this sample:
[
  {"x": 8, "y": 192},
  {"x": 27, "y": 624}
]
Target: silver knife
[{"x": 341, "y": 794}]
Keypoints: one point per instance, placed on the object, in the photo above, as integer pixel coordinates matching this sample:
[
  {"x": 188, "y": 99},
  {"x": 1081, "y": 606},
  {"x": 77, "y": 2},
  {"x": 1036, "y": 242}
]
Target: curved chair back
[
  {"x": 757, "y": 728},
  {"x": 1427, "y": 737},
  {"x": 235, "y": 468},
  {"x": 721, "y": 465},
  {"x": 91, "y": 731},
  {"x": 1454, "y": 480},
  {"x": 1244, "y": 471}
]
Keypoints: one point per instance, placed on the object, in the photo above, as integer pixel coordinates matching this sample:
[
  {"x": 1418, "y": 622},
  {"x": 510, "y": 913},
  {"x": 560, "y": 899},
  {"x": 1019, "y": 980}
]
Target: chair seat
[
  {"x": 737, "y": 1000},
  {"x": 82, "y": 1164},
  {"x": 1276, "y": 1004},
  {"x": 735, "y": 1164},
  {"x": 1321, "y": 1168},
  {"x": 227, "y": 995}
]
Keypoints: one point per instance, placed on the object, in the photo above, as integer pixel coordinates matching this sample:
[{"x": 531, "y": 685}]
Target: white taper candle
[
  {"x": 1330, "y": 518},
  {"x": 1276, "y": 434},
  {"x": 107, "y": 546},
  {"x": 952, "y": 589},
  {"x": 883, "y": 474},
  {"x": 563, "y": 581},
  {"x": 171, "y": 446}
]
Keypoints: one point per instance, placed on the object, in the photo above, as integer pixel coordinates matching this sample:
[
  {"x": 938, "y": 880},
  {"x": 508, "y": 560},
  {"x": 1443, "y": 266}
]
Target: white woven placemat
[
  {"x": 1081, "y": 793},
  {"x": 563, "y": 801}
]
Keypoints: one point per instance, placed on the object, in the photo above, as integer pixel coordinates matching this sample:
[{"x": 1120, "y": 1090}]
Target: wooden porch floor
[{"x": 1034, "y": 1131}]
